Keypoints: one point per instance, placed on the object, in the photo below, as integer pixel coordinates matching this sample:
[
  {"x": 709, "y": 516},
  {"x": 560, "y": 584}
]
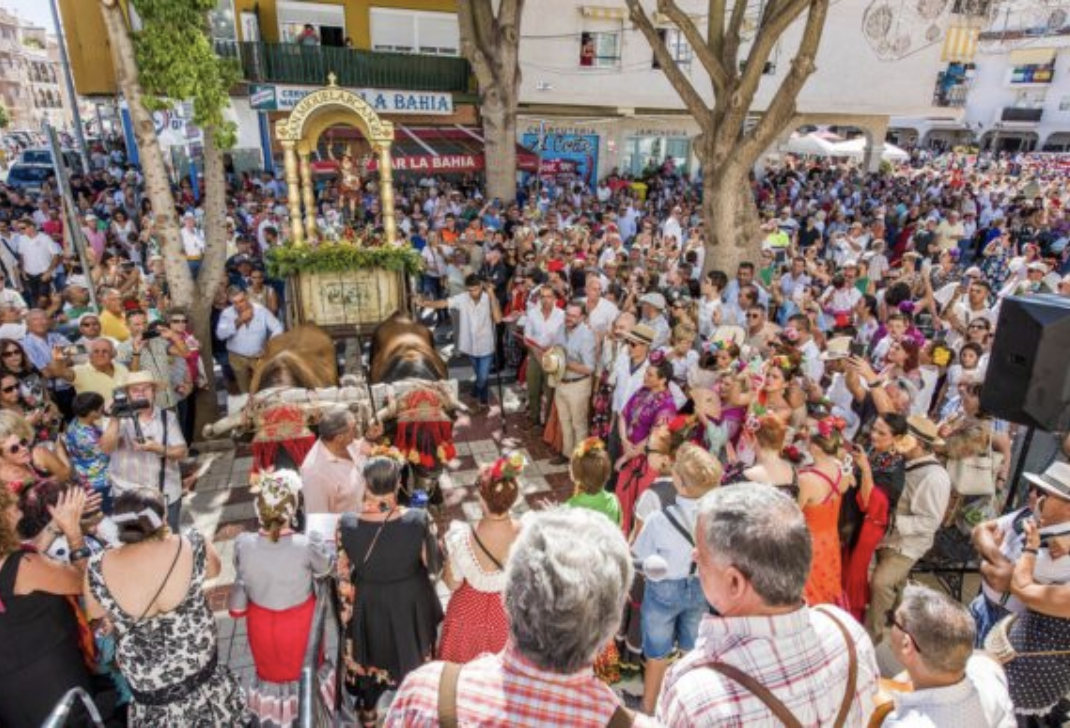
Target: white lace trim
[{"x": 463, "y": 561}]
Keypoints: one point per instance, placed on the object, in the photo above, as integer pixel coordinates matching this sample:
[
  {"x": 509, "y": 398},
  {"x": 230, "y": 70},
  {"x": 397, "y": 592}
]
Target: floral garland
[{"x": 336, "y": 257}]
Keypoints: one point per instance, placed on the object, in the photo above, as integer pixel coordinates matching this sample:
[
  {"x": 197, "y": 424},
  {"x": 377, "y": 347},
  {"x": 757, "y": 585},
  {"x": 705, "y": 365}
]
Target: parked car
[
  {"x": 43, "y": 155},
  {"x": 29, "y": 177}
]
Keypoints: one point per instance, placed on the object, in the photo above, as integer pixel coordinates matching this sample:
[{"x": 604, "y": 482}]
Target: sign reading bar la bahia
[{"x": 276, "y": 97}]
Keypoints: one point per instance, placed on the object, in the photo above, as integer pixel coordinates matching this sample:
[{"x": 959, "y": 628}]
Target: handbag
[{"x": 975, "y": 475}]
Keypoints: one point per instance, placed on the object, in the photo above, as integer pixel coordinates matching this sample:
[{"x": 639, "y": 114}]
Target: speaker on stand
[{"x": 1028, "y": 376}]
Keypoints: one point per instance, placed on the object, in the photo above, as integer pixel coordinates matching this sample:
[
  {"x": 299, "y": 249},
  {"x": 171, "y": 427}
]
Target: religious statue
[{"x": 350, "y": 184}]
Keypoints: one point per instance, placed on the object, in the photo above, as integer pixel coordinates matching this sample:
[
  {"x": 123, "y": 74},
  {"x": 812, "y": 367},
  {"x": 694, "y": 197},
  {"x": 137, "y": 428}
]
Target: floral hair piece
[
  {"x": 507, "y": 467},
  {"x": 657, "y": 357},
  {"x": 906, "y": 307},
  {"x": 387, "y": 451},
  {"x": 791, "y": 334},
  {"x": 828, "y": 426},
  {"x": 591, "y": 444}
]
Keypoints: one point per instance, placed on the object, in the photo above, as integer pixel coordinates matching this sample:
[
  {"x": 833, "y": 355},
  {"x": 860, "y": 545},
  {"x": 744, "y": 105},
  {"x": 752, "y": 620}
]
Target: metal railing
[
  {"x": 1014, "y": 113},
  {"x": 314, "y": 711},
  {"x": 59, "y": 715},
  {"x": 300, "y": 64}
]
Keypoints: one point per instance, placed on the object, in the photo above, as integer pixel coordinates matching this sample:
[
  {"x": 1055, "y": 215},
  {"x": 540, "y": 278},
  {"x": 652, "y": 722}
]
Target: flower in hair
[
  {"x": 791, "y": 334},
  {"x": 906, "y": 307},
  {"x": 591, "y": 444},
  {"x": 387, "y": 451},
  {"x": 507, "y": 467},
  {"x": 657, "y": 357},
  {"x": 828, "y": 426},
  {"x": 753, "y": 424}
]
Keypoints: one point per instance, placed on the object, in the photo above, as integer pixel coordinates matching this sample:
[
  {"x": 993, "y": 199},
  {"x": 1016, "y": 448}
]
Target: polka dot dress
[{"x": 1038, "y": 683}]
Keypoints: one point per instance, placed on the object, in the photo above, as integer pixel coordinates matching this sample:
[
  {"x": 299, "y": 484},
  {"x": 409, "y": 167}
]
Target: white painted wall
[{"x": 850, "y": 78}]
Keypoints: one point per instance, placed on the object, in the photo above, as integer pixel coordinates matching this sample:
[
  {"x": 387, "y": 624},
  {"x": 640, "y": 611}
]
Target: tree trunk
[
  {"x": 499, "y": 135},
  {"x": 730, "y": 217},
  {"x": 157, "y": 183},
  {"x": 211, "y": 273}
]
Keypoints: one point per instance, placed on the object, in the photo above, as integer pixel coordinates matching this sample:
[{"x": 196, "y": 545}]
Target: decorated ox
[{"x": 420, "y": 403}]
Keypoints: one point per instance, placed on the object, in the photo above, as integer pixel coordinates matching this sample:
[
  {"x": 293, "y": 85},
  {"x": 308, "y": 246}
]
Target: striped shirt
[
  {"x": 508, "y": 690},
  {"x": 800, "y": 657}
]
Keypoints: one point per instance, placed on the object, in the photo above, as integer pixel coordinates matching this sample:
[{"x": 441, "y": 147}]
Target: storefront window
[{"x": 641, "y": 153}]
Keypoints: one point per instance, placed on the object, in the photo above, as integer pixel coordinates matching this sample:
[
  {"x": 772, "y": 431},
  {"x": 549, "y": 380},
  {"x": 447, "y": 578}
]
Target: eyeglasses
[
  {"x": 9, "y": 389},
  {"x": 636, "y": 343},
  {"x": 11, "y": 352},
  {"x": 890, "y": 621},
  {"x": 18, "y": 447},
  {"x": 178, "y": 320}
]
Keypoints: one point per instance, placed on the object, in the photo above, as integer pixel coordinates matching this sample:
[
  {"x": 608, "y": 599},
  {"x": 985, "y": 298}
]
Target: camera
[
  {"x": 152, "y": 331},
  {"x": 123, "y": 406}
]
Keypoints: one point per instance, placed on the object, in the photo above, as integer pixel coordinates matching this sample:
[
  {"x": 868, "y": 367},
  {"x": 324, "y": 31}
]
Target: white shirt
[
  {"x": 625, "y": 382},
  {"x": 812, "y": 366},
  {"x": 542, "y": 329},
  {"x": 192, "y": 243},
  {"x": 660, "y": 537},
  {"x": 980, "y": 699},
  {"x": 248, "y": 340},
  {"x": 707, "y": 309},
  {"x": 1046, "y": 570},
  {"x": 36, "y": 253},
  {"x": 602, "y": 317},
  {"x": 475, "y": 324}
]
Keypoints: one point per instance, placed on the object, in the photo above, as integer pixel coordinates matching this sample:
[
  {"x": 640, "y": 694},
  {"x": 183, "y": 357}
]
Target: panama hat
[
  {"x": 1053, "y": 481},
  {"x": 135, "y": 378},
  {"x": 925, "y": 430},
  {"x": 553, "y": 363},
  {"x": 642, "y": 334},
  {"x": 654, "y": 299}
]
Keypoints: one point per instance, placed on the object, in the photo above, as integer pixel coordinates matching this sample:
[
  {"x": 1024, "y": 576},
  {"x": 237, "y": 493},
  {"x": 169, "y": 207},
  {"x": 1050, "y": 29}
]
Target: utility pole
[{"x": 79, "y": 134}]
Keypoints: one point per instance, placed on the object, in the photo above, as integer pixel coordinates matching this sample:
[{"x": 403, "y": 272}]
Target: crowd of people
[{"x": 762, "y": 456}]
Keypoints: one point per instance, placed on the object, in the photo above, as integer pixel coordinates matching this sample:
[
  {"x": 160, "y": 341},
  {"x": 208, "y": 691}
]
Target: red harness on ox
[{"x": 424, "y": 431}]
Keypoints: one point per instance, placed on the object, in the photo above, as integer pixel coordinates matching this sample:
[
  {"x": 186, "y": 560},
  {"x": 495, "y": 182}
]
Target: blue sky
[{"x": 36, "y": 11}]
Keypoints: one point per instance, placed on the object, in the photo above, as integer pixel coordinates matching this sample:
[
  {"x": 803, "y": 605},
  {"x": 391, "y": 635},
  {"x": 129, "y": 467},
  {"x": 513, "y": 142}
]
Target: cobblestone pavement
[{"x": 222, "y": 507}]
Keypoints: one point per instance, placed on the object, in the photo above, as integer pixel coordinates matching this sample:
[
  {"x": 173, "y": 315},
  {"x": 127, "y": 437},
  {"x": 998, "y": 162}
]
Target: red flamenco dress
[
  {"x": 888, "y": 481},
  {"x": 643, "y": 412},
  {"x": 475, "y": 617},
  {"x": 824, "y": 585}
]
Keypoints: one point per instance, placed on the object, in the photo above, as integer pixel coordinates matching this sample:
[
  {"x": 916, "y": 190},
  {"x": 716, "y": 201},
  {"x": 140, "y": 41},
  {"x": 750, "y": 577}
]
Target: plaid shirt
[
  {"x": 507, "y": 690},
  {"x": 800, "y": 657}
]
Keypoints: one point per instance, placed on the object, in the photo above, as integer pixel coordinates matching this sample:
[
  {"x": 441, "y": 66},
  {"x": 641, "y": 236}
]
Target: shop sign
[
  {"x": 565, "y": 156},
  {"x": 276, "y": 97},
  {"x": 434, "y": 163},
  {"x": 659, "y": 132}
]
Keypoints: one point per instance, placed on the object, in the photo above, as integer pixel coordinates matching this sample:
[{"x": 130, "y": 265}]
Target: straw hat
[
  {"x": 642, "y": 334},
  {"x": 142, "y": 377},
  {"x": 925, "y": 430},
  {"x": 1053, "y": 481},
  {"x": 553, "y": 363}
]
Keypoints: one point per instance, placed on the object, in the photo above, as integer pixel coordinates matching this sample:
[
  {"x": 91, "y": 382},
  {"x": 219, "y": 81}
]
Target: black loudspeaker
[{"x": 1028, "y": 378}]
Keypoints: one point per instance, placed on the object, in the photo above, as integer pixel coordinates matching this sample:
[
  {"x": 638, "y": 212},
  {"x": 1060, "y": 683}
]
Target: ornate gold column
[
  {"x": 293, "y": 194},
  {"x": 308, "y": 196},
  {"x": 386, "y": 191}
]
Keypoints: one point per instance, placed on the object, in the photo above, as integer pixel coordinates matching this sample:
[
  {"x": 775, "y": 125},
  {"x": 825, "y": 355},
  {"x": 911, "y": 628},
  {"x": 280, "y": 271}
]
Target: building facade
[
  {"x": 31, "y": 87},
  {"x": 1011, "y": 93}
]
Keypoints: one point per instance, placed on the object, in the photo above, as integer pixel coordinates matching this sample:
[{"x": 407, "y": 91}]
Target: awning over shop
[
  {"x": 437, "y": 150},
  {"x": 1032, "y": 57}
]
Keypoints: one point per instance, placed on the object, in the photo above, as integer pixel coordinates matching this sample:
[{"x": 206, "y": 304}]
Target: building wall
[
  {"x": 846, "y": 67},
  {"x": 357, "y": 15}
]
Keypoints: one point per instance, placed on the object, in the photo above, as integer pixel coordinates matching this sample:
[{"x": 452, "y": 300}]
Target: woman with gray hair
[{"x": 566, "y": 581}]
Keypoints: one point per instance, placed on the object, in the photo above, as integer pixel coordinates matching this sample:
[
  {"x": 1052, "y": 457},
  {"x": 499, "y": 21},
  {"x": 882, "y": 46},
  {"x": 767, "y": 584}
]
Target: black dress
[
  {"x": 39, "y": 655},
  {"x": 396, "y": 611}
]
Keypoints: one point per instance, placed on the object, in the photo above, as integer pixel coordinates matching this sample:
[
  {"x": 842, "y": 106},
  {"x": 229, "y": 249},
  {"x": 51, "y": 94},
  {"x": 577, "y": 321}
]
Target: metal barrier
[
  {"x": 313, "y": 710},
  {"x": 299, "y": 64},
  {"x": 58, "y": 716}
]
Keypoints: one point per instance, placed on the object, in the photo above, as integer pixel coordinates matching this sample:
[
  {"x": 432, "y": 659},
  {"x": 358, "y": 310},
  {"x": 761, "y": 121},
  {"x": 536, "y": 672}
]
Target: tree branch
[
  {"x": 706, "y": 56},
  {"x": 730, "y": 47},
  {"x": 471, "y": 38},
  {"x": 782, "y": 106},
  {"x": 679, "y": 81},
  {"x": 771, "y": 27},
  {"x": 715, "y": 27}
]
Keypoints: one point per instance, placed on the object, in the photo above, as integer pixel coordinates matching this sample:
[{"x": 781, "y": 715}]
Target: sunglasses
[
  {"x": 9, "y": 389},
  {"x": 637, "y": 343},
  {"x": 18, "y": 447},
  {"x": 12, "y": 352},
  {"x": 178, "y": 320},
  {"x": 890, "y": 621}
]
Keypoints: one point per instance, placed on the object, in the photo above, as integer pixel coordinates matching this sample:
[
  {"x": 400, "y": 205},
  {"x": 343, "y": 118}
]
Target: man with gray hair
[
  {"x": 331, "y": 476},
  {"x": 766, "y": 657},
  {"x": 932, "y": 636},
  {"x": 566, "y": 580}
]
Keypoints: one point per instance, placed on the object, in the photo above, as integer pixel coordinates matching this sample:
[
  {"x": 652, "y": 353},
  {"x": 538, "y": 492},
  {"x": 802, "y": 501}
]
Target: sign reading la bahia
[{"x": 273, "y": 97}]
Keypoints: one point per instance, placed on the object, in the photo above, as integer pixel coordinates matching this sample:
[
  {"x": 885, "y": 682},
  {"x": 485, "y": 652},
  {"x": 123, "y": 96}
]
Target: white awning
[
  {"x": 604, "y": 12},
  {"x": 1032, "y": 56}
]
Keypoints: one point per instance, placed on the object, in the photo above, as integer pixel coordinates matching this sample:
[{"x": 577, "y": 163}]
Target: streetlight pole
[{"x": 79, "y": 134}]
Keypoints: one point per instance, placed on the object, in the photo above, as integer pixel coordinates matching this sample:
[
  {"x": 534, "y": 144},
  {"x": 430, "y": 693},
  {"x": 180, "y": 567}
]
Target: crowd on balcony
[{"x": 763, "y": 454}]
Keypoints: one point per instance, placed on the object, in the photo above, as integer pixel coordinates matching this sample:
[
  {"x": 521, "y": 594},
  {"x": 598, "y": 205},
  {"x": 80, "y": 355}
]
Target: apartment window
[
  {"x": 600, "y": 49},
  {"x": 410, "y": 31},
  {"x": 1033, "y": 73},
  {"x": 678, "y": 48},
  {"x": 328, "y": 21}
]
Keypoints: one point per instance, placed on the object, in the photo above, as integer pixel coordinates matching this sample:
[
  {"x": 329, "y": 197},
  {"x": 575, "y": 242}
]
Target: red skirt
[
  {"x": 475, "y": 624},
  {"x": 635, "y": 477},
  {"x": 278, "y": 640}
]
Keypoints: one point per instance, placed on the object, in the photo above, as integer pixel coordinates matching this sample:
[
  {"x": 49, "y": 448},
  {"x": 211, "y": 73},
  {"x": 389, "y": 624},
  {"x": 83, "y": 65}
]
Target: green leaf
[{"x": 288, "y": 260}]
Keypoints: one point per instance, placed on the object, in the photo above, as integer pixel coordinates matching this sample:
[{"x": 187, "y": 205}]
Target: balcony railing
[
  {"x": 953, "y": 96},
  {"x": 299, "y": 64},
  {"x": 1013, "y": 113}
]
